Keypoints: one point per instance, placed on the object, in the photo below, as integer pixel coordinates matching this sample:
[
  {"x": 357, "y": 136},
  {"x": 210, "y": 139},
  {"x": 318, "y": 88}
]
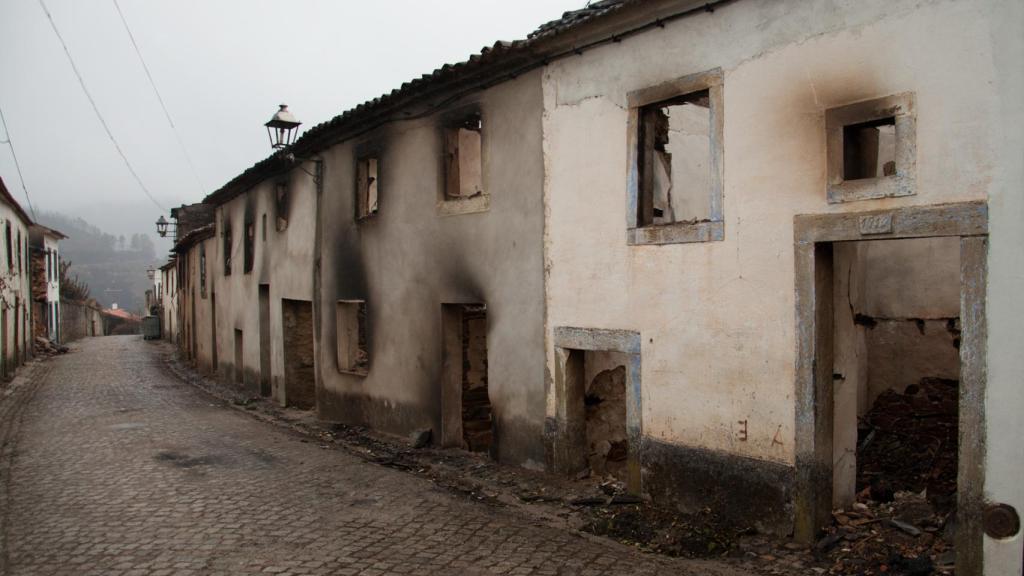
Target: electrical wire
[
  {"x": 160, "y": 98},
  {"x": 96, "y": 109},
  {"x": 10, "y": 142}
]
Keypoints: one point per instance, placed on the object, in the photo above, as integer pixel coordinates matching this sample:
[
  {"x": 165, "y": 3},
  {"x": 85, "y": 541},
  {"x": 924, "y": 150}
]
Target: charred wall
[{"x": 419, "y": 252}]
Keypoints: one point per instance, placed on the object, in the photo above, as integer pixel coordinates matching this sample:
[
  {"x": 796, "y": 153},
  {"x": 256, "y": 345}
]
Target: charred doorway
[
  {"x": 467, "y": 415},
  {"x": 297, "y": 332},
  {"x": 265, "y": 388},
  {"x": 596, "y": 427},
  {"x": 213, "y": 333},
  {"x": 604, "y": 402},
  {"x": 896, "y": 371},
  {"x": 890, "y": 373},
  {"x": 239, "y": 357}
]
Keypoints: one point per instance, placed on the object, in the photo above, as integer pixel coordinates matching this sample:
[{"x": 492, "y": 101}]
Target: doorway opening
[
  {"x": 596, "y": 428},
  {"x": 265, "y": 389},
  {"x": 896, "y": 371},
  {"x": 890, "y": 376},
  {"x": 467, "y": 414},
  {"x": 604, "y": 401},
  {"x": 299, "y": 375},
  {"x": 239, "y": 358},
  {"x": 213, "y": 332}
]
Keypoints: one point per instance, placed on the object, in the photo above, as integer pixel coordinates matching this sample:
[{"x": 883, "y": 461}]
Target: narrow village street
[{"x": 112, "y": 465}]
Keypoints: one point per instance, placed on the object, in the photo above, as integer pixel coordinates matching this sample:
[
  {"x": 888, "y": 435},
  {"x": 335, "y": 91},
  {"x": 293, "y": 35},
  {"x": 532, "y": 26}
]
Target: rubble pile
[
  {"x": 908, "y": 442},
  {"x": 45, "y": 347},
  {"x": 903, "y": 521}
]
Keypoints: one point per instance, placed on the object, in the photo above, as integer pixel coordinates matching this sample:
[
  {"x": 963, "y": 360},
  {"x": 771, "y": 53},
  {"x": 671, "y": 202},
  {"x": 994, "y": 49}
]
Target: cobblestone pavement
[{"x": 110, "y": 465}]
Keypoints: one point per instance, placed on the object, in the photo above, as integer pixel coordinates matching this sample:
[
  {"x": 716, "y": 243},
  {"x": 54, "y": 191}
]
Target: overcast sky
[{"x": 222, "y": 66}]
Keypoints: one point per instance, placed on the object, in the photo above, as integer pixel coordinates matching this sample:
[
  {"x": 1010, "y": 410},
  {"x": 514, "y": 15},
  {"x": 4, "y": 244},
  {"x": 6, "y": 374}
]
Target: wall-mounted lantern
[
  {"x": 151, "y": 273},
  {"x": 161, "y": 226},
  {"x": 282, "y": 128}
]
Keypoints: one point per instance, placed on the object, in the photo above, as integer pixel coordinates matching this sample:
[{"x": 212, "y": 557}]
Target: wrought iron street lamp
[
  {"x": 161, "y": 226},
  {"x": 282, "y": 128}
]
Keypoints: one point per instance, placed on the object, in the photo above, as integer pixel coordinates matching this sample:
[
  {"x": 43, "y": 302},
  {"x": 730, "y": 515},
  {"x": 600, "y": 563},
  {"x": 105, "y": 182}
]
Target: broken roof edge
[
  {"x": 598, "y": 23},
  {"x": 171, "y": 263},
  {"x": 188, "y": 240}
]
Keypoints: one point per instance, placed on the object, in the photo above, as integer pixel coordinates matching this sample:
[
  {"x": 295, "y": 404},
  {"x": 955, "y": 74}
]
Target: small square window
[
  {"x": 353, "y": 354},
  {"x": 871, "y": 149},
  {"x": 675, "y": 182},
  {"x": 367, "y": 186}
]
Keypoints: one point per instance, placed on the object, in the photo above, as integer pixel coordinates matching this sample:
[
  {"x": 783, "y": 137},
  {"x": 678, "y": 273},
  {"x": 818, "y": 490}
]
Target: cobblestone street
[{"x": 111, "y": 465}]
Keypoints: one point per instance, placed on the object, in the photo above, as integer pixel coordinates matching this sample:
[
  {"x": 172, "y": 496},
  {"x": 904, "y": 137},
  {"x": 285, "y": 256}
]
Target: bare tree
[{"x": 71, "y": 288}]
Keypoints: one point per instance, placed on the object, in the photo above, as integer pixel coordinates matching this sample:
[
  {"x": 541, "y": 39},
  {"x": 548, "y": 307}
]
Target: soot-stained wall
[{"x": 418, "y": 253}]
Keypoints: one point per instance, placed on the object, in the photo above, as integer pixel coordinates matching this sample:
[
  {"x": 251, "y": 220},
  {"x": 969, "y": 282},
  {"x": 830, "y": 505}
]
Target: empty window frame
[
  {"x": 367, "y": 186},
  {"x": 463, "y": 165},
  {"x": 282, "y": 198},
  {"x": 871, "y": 149},
  {"x": 675, "y": 161},
  {"x": 202, "y": 269},
  {"x": 353, "y": 353},
  {"x": 226, "y": 234},
  {"x": 249, "y": 248},
  {"x": 10, "y": 251}
]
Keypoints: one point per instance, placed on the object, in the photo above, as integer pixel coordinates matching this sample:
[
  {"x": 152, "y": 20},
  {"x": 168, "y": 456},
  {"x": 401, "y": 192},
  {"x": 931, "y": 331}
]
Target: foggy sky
[{"x": 222, "y": 66}]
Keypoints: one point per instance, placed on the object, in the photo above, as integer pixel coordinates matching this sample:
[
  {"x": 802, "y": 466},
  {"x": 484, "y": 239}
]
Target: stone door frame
[
  {"x": 814, "y": 236},
  {"x": 567, "y": 427}
]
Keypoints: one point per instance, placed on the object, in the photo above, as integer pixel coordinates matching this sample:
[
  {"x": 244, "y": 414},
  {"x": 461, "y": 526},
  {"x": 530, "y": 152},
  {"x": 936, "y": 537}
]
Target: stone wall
[{"x": 79, "y": 320}]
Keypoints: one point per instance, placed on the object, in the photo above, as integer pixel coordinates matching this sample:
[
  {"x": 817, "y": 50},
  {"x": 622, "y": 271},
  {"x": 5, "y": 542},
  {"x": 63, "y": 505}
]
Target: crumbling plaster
[{"x": 716, "y": 319}]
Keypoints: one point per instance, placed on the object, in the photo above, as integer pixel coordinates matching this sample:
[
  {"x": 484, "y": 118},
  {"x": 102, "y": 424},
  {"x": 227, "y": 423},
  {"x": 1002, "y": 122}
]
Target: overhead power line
[
  {"x": 10, "y": 142},
  {"x": 159, "y": 98},
  {"x": 96, "y": 109}
]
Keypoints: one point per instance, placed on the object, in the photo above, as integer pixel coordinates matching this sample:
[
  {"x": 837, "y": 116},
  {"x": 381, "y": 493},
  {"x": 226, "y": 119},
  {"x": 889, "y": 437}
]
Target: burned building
[{"x": 690, "y": 245}]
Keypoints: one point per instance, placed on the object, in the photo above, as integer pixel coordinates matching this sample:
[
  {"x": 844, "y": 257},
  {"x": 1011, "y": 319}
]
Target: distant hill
[{"x": 114, "y": 267}]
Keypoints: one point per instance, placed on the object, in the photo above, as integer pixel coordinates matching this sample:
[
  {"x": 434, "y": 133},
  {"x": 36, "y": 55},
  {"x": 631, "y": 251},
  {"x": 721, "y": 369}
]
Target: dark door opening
[
  {"x": 265, "y": 388},
  {"x": 239, "y": 358},
  {"x": 214, "y": 361},
  {"x": 299, "y": 366},
  {"x": 604, "y": 401},
  {"x": 896, "y": 371},
  {"x": 467, "y": 414}
]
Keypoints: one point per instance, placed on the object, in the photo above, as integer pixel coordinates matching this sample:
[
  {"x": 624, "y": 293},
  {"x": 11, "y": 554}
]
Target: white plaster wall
[
  {"x": 1005, "y": 394},
  {"x": 916, "y": 278},
  {"x": 169, "y": 301},
  {"x": 16, "y": 290},
  {"x": 717, "y": 319}
]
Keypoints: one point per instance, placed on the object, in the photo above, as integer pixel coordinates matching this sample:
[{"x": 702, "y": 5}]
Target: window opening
[
  {"x": 675, "y": 154},
  {"x": 367, "y": 186},
  {"x": 464, "y": 159},
  {"x": 353, "y": 354},
  {"x": 869, "y": 149}
]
